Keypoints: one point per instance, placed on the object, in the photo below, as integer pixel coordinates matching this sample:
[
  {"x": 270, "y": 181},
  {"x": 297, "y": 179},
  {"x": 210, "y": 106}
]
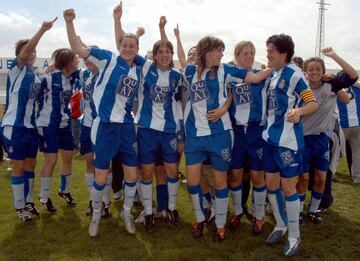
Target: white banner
[{"x": 40, "y": 64}]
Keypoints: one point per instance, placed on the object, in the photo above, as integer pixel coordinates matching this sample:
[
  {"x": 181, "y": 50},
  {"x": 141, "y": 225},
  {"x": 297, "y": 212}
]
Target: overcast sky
[{"x": 230, "y": 20}]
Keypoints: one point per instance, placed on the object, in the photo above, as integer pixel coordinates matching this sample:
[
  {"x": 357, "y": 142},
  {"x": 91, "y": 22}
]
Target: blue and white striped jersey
[
  {"x": 88, "y": 106},
  {"x": 22, "y": 88},
  {"x": 157, "y": 97},
  {"x": 350, "y": 113},
  {"x": 208, "y": 92},
  {"x": 82, "y": 75},
  {"x": 249, "y": 102},
  {"x": 56, "y": 91},
  {"x": 284, "y": 91},
  {"x": 116, "y": 87}
]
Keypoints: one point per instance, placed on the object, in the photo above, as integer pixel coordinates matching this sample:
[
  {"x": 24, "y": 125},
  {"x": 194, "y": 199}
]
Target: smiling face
[
  {"x": 245, "y": 57},
  {"x": 192, "y": 55},
  {"x": 163, "y": 55},
  {"x": 276, "y": 59},
  {"x": 314, "y": 72},
  {"x": 128, "y": 49}
]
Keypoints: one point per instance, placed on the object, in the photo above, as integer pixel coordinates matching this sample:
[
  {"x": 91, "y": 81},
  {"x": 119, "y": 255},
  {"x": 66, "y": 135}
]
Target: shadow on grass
[{"x": 64, "y": 236}]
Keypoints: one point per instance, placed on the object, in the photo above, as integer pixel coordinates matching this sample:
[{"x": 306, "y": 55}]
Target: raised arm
[
  {"x": 348, "y": 69},
  {"x": 75, "y": 43},
  {"x": 119, "y": 32},
  {"x": 179, "y": 48},
  {"x": 81, "y": 42},
  {"x": 257, "y": 77},
  {"x": 140, "y": 31},
  {"x": 31, "y": 45},
  {"x": 162, "y": 24}
]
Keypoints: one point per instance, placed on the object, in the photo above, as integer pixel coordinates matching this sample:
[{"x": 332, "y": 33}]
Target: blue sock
[
  {"x": 161, "y": 197},
  {"x": 65, "y": 183},
  {"x": 206, "y": 200},
  {"x": 26, "y": 185}
]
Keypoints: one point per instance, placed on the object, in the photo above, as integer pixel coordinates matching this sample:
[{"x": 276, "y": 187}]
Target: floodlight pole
[{"x": 320, "y": 36}]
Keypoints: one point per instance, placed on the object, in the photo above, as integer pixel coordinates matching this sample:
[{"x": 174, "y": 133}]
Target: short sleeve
[{"x": 97, "y": 56}]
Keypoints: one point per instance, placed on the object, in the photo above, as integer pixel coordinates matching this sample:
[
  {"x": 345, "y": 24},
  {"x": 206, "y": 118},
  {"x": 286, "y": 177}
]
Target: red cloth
[{"x": 75, "y": 101}]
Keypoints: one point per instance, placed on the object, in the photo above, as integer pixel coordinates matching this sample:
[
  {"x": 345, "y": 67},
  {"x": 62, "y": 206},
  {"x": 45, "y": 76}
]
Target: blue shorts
[
  {"x": 248, "y": 145},
  {"x": 217, "y": 147},
  {"x": 152, "y": 141},
  {"x": 52, "y": 139},
  {"x": 316, "y": 152},
  {"x": 20, "y": 142},
  {"x": 159, "y": 160},
  {"x": 109, "y": 139},
  {"x": 279, "y": 159},
  {"x": 85, "y": 140}
]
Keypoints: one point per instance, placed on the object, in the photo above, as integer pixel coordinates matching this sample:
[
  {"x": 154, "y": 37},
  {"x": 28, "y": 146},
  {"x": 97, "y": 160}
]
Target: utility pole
[{"x": 320, "y": 36}]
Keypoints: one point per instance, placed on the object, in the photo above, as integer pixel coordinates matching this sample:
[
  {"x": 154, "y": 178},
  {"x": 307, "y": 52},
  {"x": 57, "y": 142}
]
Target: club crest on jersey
[
  {"x": 127, "y": 87},
  {"x": 87, "y": 91},
  {"x": 242, "y": 93},
  {"x": 65, "y": 97},
  {"x": 199, "y": 92},
  {"x": 225, "y": 154},
  {"x": 272, "y": 100},
  {"x": 34, "y": 90},
  {"x": 259, "y": 153},
  {"x": 282, "y": 84},
  {"x": 174, "y": 83},
  {"x": 287, "y": 157},
  {"x": 320, "y": 99},
  {"x": 159, "y": 93}
]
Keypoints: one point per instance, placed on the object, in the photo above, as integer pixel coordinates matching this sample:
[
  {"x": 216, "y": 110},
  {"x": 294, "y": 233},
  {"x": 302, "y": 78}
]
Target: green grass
[{"x": 64, "y": 236}]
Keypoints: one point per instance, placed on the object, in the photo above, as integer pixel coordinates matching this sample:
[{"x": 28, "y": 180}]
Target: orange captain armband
[{"x": 307, "y": 95}]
